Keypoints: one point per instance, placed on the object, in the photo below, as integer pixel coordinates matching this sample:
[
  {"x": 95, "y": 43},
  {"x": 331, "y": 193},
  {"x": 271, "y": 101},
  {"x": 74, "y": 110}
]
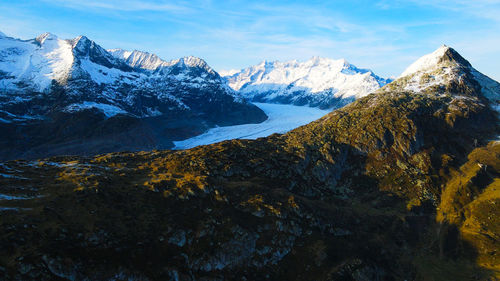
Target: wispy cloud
[{"x": 122, "y": 5}]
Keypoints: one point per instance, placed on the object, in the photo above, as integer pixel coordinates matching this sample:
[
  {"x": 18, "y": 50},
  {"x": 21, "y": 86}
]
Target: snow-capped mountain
[
  {"x": 48, "y": 76},
  {"x": 445, "y": 71},
  {"x": 119, "y": 78},
  {"x": 321, "y": 82}
]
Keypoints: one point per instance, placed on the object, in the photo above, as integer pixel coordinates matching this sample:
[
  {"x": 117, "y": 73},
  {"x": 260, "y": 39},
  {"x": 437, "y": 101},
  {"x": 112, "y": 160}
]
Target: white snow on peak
[
  {"x": 428, "y": 71},
  {"x": 145, "y": 60},
  {"x": 2, "y": 34},
  {"x": 120, "y": 53},
  {"x": 80, "y": 38},
  {"x": 426, "y": 62},
  {"x": 314, "y": 76},
  {"x": 139, "y": 59},
  {"x": 45, "y": 36},
  {"x": 189, "y": 61},
  {"x": 37, "y": 64},
  {"x": 149, "y": 61}
]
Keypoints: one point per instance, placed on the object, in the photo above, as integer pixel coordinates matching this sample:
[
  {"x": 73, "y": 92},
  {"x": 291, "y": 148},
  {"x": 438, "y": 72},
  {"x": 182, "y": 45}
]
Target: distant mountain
[
  {"x": 70, "y": 94},
  {"x": 318, "y": 82}
]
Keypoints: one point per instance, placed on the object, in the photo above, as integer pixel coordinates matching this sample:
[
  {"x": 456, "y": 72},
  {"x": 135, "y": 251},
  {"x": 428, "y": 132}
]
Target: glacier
[{"x": 282, "y": 118}]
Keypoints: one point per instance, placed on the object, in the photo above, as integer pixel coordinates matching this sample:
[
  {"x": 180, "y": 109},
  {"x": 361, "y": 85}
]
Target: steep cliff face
[
  {"x": 373, "y": 191},
  {"x": 74, "y": 97}
]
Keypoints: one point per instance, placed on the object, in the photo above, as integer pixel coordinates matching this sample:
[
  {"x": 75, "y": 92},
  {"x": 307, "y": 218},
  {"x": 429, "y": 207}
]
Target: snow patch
[
  {"x": 103, "y": 75},
  {"x": 107, "y": 109}
]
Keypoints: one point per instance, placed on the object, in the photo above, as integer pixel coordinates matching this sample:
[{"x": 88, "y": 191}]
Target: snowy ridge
[
  {"x": 438, "y": 68},
  {"x": 38, "y": 61},
  {"x": 120, "y": 53},
  {"x": 426, "y": 62},
  {"x": 317, "y": 82},
  {"x": 138, "y": 83},
  {"x": 138, "y": 59},
  {"x": 148, "y": 61}
]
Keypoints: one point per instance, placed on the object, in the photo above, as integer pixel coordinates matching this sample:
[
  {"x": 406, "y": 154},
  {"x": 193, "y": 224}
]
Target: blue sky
[{"x": 385, "y": 36}]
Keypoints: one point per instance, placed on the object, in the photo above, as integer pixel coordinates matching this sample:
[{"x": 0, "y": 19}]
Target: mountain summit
[
  {"x": 321, "y": 82},
  {"x": 445, "y": 70}
]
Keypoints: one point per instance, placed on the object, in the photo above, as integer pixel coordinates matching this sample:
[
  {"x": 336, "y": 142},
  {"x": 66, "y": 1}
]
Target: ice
[{"x": 282, "y": 118}]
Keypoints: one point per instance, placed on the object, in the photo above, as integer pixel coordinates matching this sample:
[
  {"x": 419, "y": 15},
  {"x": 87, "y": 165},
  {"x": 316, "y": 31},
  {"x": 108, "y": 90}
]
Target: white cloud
[{"x": 121, "y": 5}]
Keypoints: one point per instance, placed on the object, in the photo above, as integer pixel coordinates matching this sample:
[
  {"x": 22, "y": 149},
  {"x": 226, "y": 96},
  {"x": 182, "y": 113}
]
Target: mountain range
[
  {"x": 401, "y": 184},
  {"x": 72, "y": 96},
  {"x": 318, "y": 82}
]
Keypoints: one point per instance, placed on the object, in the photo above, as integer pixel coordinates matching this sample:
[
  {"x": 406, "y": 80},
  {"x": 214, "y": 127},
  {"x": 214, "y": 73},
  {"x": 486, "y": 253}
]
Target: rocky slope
[
  {"x": 398, "y": 185},
  {"x": 318, "y": 82},
  {"x": 72, "y": 96}
]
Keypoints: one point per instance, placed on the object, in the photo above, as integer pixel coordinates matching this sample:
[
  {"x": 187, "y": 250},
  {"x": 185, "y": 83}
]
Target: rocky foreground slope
[
  {"x": 399, "y": 185},
  {"x": 74, "y": 97}
]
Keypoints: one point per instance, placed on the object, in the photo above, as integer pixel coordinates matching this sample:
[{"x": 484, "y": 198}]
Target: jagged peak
[
  {"x": 137, "y": 53},
  {"x": 145, "y": 60},
  {"x": 190, "y": 61},
  {"x": 81, "y": 41},
  {"x": 44, "y": 37},
  {"x": 193, "y": 61},
  {"x": 120, "y": 53},
  {"x": 312, "y": 62},
  {"x": 435, "y": 59}
]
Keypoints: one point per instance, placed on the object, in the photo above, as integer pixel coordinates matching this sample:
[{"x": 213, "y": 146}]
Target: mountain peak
[
  {"x": 120, "y": 53},
  {"x": 2, "y": 34},
  {"x": 44, "y": 37},
  {"x": 81, "y": 41},
  {"x": 191, "y": 61},
  {"x": 444, "y": 71},
  {"x": 144, "y": 60},
  {"x": 440, "y": 57}
]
